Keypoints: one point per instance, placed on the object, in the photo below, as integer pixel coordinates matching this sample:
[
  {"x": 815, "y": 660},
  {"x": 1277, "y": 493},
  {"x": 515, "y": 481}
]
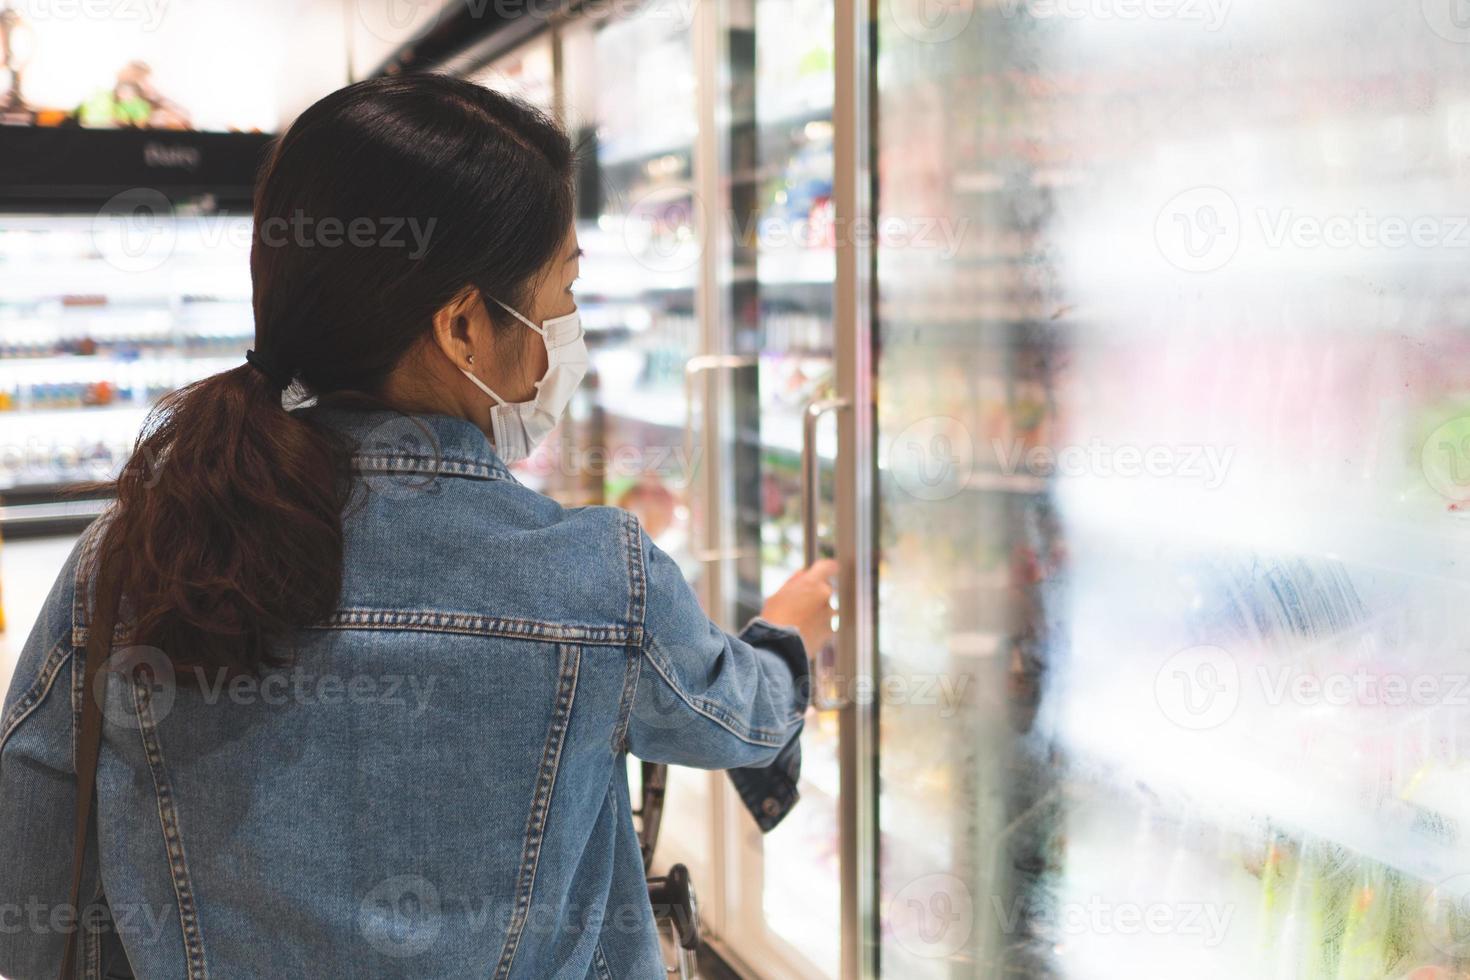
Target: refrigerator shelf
[
  {"x": 48, "y": 519},
  {"x": 72, "y": 367}
]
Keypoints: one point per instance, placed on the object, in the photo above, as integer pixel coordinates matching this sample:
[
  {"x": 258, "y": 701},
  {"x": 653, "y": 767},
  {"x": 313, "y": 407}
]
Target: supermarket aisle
[{"x": 27, "y": 569}]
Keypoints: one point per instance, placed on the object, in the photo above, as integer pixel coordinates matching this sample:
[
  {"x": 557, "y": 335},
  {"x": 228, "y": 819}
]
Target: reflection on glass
[{"x": 1175, "y": 468}]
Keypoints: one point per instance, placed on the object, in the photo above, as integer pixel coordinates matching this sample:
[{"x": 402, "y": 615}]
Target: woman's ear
[{"x": 455, "y": 323}]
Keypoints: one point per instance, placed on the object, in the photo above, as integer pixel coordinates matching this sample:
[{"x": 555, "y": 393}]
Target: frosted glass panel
[{"x": 1173, "y": 424}]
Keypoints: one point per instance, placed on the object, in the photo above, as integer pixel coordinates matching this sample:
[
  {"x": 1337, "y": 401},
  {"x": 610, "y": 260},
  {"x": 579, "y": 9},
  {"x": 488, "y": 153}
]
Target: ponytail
[{"x": 227, "y": 531}]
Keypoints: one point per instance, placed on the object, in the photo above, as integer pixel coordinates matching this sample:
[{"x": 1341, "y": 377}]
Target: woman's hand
[{"x": 804, "y": 604}]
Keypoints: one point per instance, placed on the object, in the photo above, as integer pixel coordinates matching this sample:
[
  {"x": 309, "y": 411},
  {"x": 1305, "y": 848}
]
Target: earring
[{"x": 472, "y": 359}]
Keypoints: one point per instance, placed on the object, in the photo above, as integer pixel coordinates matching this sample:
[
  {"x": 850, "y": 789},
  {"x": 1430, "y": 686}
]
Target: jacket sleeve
[
  {"x": 38, "y": 792},
  {"x": 706, "y": 699}
]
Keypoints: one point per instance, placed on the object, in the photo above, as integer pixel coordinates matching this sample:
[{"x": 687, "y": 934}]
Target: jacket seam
[
  {"x": 82, "y": 583},
  {"x": 715, "y": 711},
  {"x": 36, "y": 695},
  {"x": 466, "y": 623},
  {"x": 93, "y": 940},
  {"x": 637, "y": 572},
  {"x": 631, "y": 677},
  {"x": 633, "y": 537},
  {"x": 173, "y": 842},
  {"x": 551, "y": 752},
  {"x": 599, "y": 960},
  {"x": 78, "y": 697},
  {"x": 92, "y": 954},
  {"x": 468, "y": 468}
]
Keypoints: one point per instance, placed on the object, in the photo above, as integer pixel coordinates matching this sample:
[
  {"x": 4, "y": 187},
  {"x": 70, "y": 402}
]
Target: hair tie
[{"x": 277, "y": 377}]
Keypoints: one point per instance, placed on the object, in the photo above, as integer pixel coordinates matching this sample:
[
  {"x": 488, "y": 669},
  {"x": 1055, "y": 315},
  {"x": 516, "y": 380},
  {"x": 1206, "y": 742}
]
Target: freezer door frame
[
  {"x": 854, "y": 202},
  {"x": 855, "y": 489}
]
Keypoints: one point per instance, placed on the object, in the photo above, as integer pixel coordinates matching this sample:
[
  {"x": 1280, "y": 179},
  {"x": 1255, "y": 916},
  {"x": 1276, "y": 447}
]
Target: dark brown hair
[{"x": 227, "y": 530}]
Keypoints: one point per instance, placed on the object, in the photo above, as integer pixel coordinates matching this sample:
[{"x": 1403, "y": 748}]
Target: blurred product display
[
  {"x": 1208, "y": 526},
  {"x": 166, "y": 302}
]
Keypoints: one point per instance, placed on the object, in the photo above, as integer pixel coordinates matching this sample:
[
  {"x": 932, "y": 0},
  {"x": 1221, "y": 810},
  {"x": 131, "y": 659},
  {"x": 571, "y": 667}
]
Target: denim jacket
[{"x": 436, "y": 783}]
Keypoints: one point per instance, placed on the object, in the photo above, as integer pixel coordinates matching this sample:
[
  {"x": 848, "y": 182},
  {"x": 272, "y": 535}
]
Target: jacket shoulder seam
[{"x": 83, "y": 580}]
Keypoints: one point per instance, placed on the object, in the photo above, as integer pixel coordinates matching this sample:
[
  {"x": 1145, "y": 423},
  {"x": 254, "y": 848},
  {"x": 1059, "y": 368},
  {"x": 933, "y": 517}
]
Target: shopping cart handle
[{"x": 672, "y": 897}]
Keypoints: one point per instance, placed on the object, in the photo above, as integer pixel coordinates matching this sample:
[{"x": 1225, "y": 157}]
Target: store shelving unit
[{"x": 91, "y": 335}]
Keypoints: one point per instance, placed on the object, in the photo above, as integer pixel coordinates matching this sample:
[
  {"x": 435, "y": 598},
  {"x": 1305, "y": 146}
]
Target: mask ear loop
[
  {"x": 528, "y": 323},
  {"x": 482, "y": 386}
]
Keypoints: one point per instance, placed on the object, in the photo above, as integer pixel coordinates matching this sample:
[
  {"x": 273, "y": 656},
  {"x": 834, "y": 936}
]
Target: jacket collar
[{"x": 385, "y": 441}]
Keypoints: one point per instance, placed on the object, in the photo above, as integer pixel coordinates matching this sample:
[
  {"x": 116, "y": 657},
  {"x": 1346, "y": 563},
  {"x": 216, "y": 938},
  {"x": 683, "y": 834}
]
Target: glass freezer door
[
  {"x": 1175, "y": 464},
  {"x": 786, "y": 920}
]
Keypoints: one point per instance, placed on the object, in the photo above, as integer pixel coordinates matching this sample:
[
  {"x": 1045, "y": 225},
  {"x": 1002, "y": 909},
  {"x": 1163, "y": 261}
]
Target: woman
[{"x": 369, "y": 700}]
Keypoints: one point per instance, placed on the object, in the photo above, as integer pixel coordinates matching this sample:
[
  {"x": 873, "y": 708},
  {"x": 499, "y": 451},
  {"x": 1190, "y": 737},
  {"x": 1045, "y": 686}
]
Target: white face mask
[{"x": 517, "y": 427}]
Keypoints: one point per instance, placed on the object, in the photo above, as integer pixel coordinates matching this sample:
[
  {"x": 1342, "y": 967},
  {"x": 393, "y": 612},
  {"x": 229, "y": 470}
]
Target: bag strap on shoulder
[{"x": 89, "y": 743}]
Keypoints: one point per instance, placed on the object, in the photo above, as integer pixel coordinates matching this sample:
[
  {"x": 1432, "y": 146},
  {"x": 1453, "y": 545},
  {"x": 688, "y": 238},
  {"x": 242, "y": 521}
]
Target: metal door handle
[{"x": 823, "y": 662}]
